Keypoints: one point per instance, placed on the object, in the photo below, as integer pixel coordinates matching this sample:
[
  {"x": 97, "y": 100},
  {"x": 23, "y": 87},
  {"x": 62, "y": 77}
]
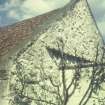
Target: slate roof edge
[{"x": 70, "y": 4}]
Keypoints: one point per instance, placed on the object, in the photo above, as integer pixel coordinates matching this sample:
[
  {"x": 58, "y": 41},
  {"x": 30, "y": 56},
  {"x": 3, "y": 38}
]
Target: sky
[{"x": 12, "y": 11}]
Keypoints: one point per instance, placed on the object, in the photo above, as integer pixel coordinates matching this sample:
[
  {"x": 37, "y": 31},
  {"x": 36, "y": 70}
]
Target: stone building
[{"x": 71, "y": 29}]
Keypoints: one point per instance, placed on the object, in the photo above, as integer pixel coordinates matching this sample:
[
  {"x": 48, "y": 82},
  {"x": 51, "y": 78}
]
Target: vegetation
[{"x": 41, "y": 87}]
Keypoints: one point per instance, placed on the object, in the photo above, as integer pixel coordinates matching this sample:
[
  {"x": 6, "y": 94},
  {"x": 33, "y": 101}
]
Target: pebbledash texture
[{"x": 39, "y": 56}]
